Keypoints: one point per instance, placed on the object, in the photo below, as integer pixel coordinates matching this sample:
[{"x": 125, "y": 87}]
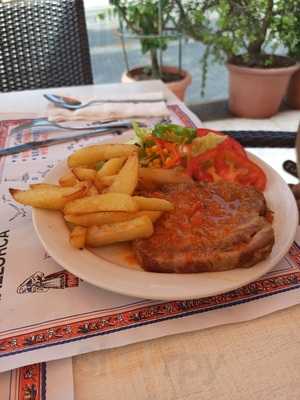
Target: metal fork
[
  {"x": 50, "y": 142},
  {"x": 44, "y": 123}
]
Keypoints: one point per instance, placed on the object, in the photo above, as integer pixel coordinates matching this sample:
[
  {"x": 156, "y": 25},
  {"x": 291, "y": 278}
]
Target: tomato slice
[
  {"x": 227, "y": 161},
  {"x": 198, "y": 167},
  {"x": 233, "y": 145},
  {"x": 229, "y": 142},
  {"x": 202, "y": 132},
  {"x": 233, "y": 166}
]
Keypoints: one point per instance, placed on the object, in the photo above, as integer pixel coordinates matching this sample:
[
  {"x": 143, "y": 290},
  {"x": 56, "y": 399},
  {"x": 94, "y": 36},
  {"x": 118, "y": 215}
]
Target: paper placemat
[
  {"x": 43, "y": 381},
  {"x": 48, "y": 313}
]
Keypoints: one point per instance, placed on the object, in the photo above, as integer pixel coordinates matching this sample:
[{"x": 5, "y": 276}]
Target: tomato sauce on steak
[{"x": 213, "y": 227}]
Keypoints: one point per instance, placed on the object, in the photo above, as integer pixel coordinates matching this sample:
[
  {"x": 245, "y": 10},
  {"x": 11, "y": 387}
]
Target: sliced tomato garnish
[
  {"x": 202, "y": 132},
  {"x": 236, "y": 167},
  {"x": 227, "y": 161},
  {"x": 198, "y": 167},
  {"x": 232, "y": 144},
  {"x": 229, "y": 142}
]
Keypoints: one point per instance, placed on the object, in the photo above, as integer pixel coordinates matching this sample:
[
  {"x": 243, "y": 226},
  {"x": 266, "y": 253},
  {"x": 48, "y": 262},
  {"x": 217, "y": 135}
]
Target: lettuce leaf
[
  {"x": 174, "y": 133},
  {"x": 140, "y": 134},
  {"x": 207, "y": 142}
]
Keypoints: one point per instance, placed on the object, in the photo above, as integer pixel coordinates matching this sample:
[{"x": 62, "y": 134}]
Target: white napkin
[{"x": 109, "y": 111}]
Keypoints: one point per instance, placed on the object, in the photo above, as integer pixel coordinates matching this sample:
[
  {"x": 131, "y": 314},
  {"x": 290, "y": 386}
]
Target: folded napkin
[{"x": 110, "y": 111}]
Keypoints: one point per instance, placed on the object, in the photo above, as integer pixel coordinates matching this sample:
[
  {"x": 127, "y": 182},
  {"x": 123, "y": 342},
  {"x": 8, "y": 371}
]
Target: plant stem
[
  {"x": 255, "y": 47},
  {"x": 155, "y": 69}
]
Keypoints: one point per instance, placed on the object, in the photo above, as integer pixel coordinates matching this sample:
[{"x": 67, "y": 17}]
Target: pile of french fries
[{"x": 99, "y": 204}]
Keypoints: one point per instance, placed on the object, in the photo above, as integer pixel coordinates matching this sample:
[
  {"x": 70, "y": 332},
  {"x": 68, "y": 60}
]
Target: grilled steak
[{"x": 214, "y": 227}]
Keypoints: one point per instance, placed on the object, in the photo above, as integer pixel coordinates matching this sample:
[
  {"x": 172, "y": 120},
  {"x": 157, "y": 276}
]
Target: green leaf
[
  {"x": 144, "y": 18},
  {"x": 141, "y": 134},
  {"x": 207, "y": 142},
  {"x": 174, "y": 133}
]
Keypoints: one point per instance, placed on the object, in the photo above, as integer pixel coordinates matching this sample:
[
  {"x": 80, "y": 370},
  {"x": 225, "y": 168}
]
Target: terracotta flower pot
[
  {"x": 293, "y": 94},
  {"x": 257, "y": 92},
  {"x": 177, "y": 87}
]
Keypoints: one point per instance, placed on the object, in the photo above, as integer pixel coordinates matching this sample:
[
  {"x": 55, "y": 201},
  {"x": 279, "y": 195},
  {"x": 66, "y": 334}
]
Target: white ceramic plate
[{"x": 111, "y": 267}]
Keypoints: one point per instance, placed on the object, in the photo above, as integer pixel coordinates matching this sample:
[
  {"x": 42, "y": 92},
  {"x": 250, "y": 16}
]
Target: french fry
[
  {"x": 73, "y": 196},
  {"x": 68, "y": 179},
  {"x": 39, "y": 186},
  {"x": 137, "y": 228},
  {"x": 84, "y": 174},
  {"x": 99, "y": 218},
  {"x": 104, "y": 181},
  {"x": 78, "y": 237},
  {"x": 107, "y": 180},
  {"x": 111, "y": 167},
  {"x": 153, "y": 215},
  {"x": 153, "y": 203},
  {"x": 162, "y": 176},
  {"x": 92, "y": 154},
  {"x": 92, "y": 191},
  {"x": 102, "y": 202},
  {"x": 49, "y": 198},
  {"x": 69, "y": 193},
  {"x": 127, "y": 178},
  {"x": 109, "y": 217}
]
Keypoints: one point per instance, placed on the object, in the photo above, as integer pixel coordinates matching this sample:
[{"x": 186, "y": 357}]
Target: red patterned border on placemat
[
  {"x": 32, "y": 382},
  {"x": 149, "y": 314},
  {"x": 27, "y": 383},
  {"x": 185, "y": 118}
]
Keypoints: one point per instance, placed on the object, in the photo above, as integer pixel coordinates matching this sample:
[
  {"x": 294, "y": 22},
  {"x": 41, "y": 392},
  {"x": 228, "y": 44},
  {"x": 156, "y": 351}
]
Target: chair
[{"x": 43, "y": 43}]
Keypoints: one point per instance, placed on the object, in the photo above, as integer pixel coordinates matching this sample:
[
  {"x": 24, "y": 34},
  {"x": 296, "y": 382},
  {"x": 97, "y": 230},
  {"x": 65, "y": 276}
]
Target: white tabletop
[{"x": 249, "y": 360}]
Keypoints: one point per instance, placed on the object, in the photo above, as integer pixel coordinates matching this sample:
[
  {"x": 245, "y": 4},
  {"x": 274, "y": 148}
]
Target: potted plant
[
  {"x": 246, "y": 36},
  {"x": 151, "y": 22},
  {"x": 291, "y": 39}
]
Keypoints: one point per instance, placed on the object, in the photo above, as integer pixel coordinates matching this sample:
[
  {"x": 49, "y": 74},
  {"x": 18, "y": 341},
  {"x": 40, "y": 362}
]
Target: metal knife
[
  {"x": 297, "y": 145},
  {"x": 50, "y": 142},
  {"x": 41, "y": 123}
]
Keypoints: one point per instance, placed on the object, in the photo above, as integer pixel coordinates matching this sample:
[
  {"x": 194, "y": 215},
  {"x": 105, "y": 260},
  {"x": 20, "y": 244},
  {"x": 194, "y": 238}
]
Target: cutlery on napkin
[
  {"x": 42, "y": 125},
  {"x": 19, "y": 148},
  {"x": 113, "y": 111},
  {"x": 70, "y": 103}
]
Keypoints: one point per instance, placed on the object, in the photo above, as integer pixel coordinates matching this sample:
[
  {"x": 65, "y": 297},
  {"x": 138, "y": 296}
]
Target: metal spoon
[{"x": 70, "y": 103}]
